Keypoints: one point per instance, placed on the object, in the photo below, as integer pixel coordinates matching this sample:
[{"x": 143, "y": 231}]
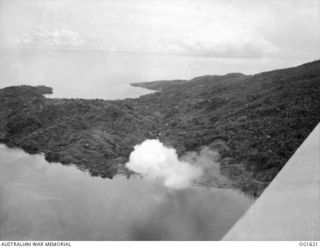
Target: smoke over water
[
  {"x": 154, "y": 161},
  {"x": 42, "y": 201}
]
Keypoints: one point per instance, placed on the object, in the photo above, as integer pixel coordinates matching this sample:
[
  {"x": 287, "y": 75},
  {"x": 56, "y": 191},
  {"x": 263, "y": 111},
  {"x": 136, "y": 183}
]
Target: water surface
[
  {"x": 46, "y": 201},
  {"x": 99, "y": 74},
  {"x": 43, "y": 201}
]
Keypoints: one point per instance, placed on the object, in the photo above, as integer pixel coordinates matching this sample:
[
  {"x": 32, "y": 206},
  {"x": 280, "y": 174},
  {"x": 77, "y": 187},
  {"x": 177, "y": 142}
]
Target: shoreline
[{"x": 263, "y": 119}]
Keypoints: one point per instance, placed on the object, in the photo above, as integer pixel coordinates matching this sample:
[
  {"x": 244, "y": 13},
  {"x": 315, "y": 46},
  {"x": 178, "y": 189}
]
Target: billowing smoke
[
  {"x": 154, "y": 161},
  {"x": 42, "y": 201},
  {"x": 208, "y": 161}
]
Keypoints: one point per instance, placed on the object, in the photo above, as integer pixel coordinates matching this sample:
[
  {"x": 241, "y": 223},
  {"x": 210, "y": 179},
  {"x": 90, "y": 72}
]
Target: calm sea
[
  {"x": 42, "y": 201},
  {"x": 46, "y": 201},
  {"x": 98, "y": 74}
]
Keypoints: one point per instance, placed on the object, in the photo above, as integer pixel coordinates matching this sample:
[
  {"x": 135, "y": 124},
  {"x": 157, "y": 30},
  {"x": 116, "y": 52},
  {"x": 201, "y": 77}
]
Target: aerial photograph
[{"x": 159, "y": 120}]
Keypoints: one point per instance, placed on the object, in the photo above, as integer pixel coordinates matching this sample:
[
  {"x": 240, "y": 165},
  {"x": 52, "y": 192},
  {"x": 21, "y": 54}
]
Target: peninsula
[{"x": 255, "y": 121}]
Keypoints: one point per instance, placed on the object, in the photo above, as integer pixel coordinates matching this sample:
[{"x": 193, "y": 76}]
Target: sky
[{"x": 245, "y": 28}]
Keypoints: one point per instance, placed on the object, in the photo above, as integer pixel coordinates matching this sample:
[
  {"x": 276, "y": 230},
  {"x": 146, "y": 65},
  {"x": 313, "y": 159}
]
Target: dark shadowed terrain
[{"x": 256, "y": 122}]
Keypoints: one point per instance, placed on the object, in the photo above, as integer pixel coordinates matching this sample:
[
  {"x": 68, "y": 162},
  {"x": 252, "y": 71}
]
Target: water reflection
[{"x": 42, "y": 201}]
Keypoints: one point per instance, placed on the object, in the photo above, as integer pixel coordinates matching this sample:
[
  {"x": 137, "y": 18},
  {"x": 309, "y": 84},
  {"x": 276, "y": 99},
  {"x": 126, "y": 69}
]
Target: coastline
[{"x": 261, "y": 118}]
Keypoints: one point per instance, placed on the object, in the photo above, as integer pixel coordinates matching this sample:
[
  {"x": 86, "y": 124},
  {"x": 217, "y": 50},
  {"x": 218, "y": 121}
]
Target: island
[{"x": 256, "y": 122}]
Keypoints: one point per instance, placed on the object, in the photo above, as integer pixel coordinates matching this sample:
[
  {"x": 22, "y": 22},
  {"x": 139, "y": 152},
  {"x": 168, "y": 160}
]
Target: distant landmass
[{"x": 256, "y": 122}]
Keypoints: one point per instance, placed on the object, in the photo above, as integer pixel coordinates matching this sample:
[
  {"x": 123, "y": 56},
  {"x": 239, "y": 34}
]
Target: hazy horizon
[
  {"x": 248, "y": 28},
  {"x": 107, "y": 75}
]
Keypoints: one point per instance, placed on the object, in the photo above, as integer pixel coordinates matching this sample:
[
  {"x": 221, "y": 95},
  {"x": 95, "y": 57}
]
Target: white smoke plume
[
  {"x": 154, "y": 161},
  {"x": 208, "y": 160}
]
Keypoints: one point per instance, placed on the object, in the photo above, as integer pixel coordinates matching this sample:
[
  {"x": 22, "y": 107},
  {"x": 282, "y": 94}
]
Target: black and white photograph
[{"x": 159, "y": 120}]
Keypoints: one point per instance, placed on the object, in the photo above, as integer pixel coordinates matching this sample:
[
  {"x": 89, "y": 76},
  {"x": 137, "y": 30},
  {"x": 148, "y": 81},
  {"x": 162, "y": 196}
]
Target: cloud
[
  {"x": 58, "y": 36},
  {"x": 44, "y": 37},
  {"x": 228, "y": 40},
  {"x": 212, "y": 28}
]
